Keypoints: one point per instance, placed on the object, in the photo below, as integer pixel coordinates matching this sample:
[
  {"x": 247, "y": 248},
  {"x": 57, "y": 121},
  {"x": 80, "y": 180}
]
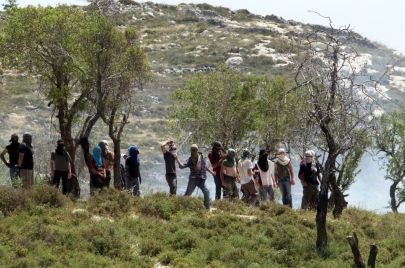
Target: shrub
[
  {"x": 150, "y": 247},
  {"x": 11, "y": 199},
  {"x": 47, "y": 195},
  {"x": 110, "y": 201}
]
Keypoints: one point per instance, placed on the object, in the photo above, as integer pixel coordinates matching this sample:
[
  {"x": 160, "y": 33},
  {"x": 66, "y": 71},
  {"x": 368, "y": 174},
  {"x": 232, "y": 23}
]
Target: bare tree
[{"x": 331, "y": 75}]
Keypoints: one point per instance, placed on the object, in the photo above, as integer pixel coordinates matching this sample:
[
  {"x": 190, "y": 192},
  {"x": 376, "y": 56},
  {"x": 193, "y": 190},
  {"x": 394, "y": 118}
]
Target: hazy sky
[{"x": 382, "y": 21}]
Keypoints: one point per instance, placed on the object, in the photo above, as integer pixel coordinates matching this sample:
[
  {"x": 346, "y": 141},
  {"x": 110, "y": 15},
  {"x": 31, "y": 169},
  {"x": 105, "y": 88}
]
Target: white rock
[{"x": 234, "y": 61}]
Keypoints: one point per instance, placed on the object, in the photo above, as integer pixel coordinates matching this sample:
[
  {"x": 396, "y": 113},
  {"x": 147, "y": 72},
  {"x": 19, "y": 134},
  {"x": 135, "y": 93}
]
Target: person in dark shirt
[
  {"x": 61, "y": 168},
  {"x": 26, "y": 161},
  {"x": 133, "y": 175},
  {"x": 310, "y": 176},
  {"x": 169, "y": 155},
  {"x": 12, "y": 164},
  {"x": 216, "y": 157}
]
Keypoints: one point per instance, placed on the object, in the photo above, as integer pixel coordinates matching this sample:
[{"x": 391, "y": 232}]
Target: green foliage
[
  {"x": 15, "y": 199},
  {"x": 217, "y": 106},
  {"x": 110, "y": 202},
  {"x": 390, "y": 140},
  {"x": 191, "y": 237}
]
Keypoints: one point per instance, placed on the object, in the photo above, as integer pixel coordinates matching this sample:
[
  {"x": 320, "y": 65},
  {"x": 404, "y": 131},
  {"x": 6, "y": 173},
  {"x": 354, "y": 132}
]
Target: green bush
[
  {"x": 13, "y": 199},
  {"x": 47, "y": 195},
  {"x": 109, "y": 201}
]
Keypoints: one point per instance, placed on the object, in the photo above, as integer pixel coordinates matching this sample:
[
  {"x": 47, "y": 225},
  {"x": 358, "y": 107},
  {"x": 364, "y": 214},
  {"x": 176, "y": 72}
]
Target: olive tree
[
  {"x": 340, "y": 110},
  {"x": 390, "y": 140}
]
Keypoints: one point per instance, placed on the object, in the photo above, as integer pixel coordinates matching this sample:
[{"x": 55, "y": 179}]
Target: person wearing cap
[
  {"x": 198, "y": 174},
  {"x": 284, "y": 175},
  {"x": 169, "y": 155},
  {"x": 61, "y": 168},
  {"x": 12, "y": 164},
  {"x": 108, "y": 158},
  {"x": 229, "y": 176},
  {"x": 245, "y": 171},
  {"x": 310, "y": 177},
  {"x": 26, "y": 161},
  {"x": 217, "y": 157},
  {"x": 132, "y": 171}
]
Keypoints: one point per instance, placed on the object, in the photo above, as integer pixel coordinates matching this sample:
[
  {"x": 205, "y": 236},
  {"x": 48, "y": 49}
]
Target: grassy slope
[{"x": 113, "y": 229}]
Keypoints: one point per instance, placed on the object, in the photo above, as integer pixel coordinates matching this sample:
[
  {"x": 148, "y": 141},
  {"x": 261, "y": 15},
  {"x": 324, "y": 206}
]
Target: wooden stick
[
  {"x": 372, "y": 256},
  {"x": 354, "y": 245}
]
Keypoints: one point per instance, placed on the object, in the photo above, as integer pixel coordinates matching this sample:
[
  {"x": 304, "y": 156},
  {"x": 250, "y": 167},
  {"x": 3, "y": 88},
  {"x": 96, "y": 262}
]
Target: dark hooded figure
[
  {"x": 26, "y": 161},
  {"x": 264, "y": 169},
  {"x": 61, "y": 168},
  {"x": 133, "y": 175},
  {"x": 12, "y": 163}
]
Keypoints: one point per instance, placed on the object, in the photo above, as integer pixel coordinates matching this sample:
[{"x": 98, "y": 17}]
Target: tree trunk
[
  {"x": 354, "y": 245},
  {"x": 393, "y": 189},
  {"x": 117, "y": 167},
  {"x": 338, "y": 202},
  {"x": 322, "y": 209},
  {"x": 372, "y": 256}
]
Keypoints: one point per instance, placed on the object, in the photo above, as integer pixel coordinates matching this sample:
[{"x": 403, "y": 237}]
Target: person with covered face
[
  {"x": 26, "y": 161},
  {"x": 245, "y": 171},
  {"x": 216, "y": 157},
  {"x": 12, "y": 163},
  {"x": 229, "y": 175},
  {"x": 265, "y": 169},
  {"x": 132, "y": 171},
  {"x": 198, "y": 174},
  {"x": 310, "y": 177},
  {"x": 97, "y": 170},
  {"x": 108, "y": 158},
  {"x": 169, "y": 150},
  {"x": 284, "y": 175},
  {"x": 61, "y": 168}
]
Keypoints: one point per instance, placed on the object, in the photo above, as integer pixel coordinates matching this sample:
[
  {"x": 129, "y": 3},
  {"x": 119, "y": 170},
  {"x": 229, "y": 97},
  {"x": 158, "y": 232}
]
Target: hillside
[
  {"x": 179, "y": 41},
  {"x": 112, "y": 229}
]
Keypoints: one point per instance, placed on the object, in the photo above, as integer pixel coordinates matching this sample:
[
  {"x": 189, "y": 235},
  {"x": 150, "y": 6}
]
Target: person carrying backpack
[
  {"x": 264, "y": 169},
  {"x": 133, "y": 175},
  {"x": 245, "y": 171},
  {"x": 12, "y": 164},
  {"x": 26, "y": 161},
  {"x": 229, "y": 176},
  {"x": 310, "y": 177},
  {"x": 198, "y": 174},
  {"x": 61, "y": 168},
  {"x": 284, "y": 175}
]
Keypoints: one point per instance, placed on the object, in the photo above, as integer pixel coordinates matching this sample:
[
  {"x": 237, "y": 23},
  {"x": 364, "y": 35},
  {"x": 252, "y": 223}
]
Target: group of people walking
[{"x": 257, "y": 180}]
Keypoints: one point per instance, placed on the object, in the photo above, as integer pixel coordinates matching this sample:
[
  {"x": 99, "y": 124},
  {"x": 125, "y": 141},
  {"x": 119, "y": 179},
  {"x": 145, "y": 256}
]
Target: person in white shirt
[
  {"x": 264, "y": 168},
  {"x": 245, "y": 170}
]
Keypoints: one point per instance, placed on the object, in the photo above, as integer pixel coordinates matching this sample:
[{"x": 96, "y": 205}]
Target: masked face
[
  {"x": 282, "y": 156},
  {"x": 194, "y": 151},
  {"x": 27, "y": 138}
]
